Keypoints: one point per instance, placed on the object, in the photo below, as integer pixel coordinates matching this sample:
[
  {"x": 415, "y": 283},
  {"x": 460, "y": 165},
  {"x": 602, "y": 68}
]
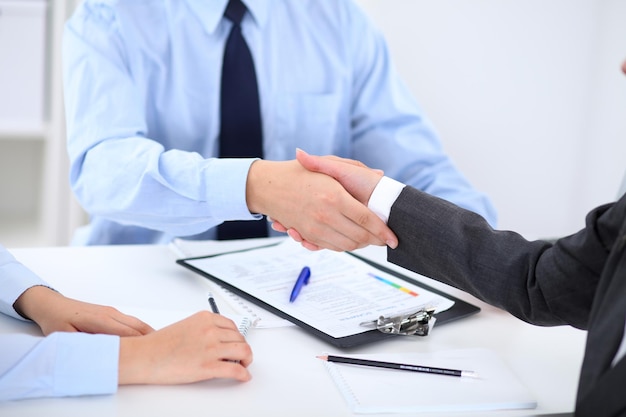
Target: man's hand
[
  {"x": 200, "y": 347},
  {"x": 354, "y": 176},
  {"x": 54, "y": 312},
  {"x": 358, "y": 179},
  {"x": 314, "y": 204}
]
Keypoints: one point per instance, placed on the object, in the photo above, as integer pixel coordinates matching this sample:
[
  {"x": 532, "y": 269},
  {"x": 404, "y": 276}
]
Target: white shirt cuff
[{"x": 384, "y": 195}]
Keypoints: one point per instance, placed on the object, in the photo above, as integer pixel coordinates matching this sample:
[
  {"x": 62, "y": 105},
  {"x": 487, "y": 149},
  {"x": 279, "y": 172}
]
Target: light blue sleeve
[
  {"x": 59, "y": 365},
  {"x": 118, "y": 171},
  {"x": 142, "y": 132},
  {"x": 390, "y": 130},
  {"x": 15, "y": 278}
]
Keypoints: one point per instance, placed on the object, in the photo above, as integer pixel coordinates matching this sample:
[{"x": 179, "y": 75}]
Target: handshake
[{"x": 320, "y": 202}]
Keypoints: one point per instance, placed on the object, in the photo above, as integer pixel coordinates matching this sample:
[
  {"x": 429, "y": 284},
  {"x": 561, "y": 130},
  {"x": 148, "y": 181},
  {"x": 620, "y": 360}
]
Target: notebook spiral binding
[{"x": 245, "y": 326}]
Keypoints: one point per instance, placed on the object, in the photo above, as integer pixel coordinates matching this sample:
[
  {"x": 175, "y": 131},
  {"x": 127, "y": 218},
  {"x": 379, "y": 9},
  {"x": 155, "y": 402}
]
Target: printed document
[{"x": 343, "y": 291}]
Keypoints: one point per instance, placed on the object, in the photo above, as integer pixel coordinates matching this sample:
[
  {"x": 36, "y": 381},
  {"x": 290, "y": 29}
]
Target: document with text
[{"x": 343, "y": 291}]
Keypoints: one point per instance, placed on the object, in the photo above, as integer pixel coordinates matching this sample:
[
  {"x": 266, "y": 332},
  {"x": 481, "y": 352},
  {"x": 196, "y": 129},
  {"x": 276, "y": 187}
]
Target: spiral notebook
[
  {"x": 262, "y": 317},
  {"x": 159, "y": 319},
  {"x": 376, "y": 390}
]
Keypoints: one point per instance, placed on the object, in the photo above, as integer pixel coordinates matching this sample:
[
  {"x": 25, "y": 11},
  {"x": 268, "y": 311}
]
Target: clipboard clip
[{"x": 418, "y": 323}]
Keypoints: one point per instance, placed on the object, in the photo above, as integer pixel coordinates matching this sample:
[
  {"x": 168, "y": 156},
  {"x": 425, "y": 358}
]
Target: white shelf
[
  {"x": 32, "y": 141},
  {"x": 32, "y": 132},
  {"x": 23, "y": 30}
]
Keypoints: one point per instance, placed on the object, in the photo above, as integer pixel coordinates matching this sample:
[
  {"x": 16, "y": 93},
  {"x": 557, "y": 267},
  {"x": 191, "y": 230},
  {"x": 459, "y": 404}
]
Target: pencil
[
  {"x": 399, "y": 366},
  {"x": 213, "y": 304}
]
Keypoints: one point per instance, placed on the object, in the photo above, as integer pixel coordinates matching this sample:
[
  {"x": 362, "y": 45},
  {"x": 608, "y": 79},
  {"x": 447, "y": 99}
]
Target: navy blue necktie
[{"x": 240, "y": 114}]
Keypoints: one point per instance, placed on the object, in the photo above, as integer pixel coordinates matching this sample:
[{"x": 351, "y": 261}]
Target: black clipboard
[{"x": 459, "y": 310}]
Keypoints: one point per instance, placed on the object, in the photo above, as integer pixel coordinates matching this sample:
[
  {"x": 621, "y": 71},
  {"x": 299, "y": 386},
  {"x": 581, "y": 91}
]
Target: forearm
[
  {"x": 127, "y": 181},
  {"x": 532, "y": 280},
  {"x": 128, "y": 164}
]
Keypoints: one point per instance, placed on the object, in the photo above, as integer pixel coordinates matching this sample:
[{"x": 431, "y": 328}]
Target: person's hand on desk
[
  {"x": 316, "y": 205},
  {"x": 356, "y": 178},
  {"x": 54, "y": 312},
  {"x": 200, "y": 347}
]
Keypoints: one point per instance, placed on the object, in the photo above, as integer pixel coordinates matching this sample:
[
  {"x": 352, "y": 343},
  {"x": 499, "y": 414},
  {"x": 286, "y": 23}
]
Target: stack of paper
[{"x": 378, "y": 390}]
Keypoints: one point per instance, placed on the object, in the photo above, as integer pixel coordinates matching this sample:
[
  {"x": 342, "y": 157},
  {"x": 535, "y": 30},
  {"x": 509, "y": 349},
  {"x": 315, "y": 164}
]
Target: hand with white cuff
[
  {"x": 356, "y": 178},
  {"x": 314, "y": 204}
]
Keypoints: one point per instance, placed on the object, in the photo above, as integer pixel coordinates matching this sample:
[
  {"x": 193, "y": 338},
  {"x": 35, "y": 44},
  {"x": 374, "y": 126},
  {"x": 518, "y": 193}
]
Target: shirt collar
[{"x": 210, "y": 13}]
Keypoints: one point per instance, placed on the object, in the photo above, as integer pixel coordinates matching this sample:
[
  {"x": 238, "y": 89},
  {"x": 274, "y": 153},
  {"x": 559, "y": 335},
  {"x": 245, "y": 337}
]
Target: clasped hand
[{"x": 322, "y": 202}]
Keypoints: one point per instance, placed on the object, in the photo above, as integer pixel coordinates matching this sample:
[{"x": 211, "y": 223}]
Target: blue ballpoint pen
[{"x": 303, "y": 279}]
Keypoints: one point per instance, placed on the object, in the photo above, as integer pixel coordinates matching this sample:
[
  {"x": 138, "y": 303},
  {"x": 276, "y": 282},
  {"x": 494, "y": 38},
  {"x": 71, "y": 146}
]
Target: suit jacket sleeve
[{"x": 536, "y": 281}]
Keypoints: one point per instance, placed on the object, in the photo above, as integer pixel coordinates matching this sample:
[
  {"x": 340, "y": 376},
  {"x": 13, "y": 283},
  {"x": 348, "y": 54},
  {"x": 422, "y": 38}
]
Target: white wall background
[{"x": 527, "y": 95}]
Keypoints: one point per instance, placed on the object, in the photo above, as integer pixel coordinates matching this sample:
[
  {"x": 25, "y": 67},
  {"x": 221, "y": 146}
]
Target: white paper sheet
[
  {"x": 343, "y": 291},
  {"x": 377, "y": 390}
]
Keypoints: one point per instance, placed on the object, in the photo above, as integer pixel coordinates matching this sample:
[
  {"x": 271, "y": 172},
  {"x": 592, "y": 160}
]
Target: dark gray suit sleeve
[{"x": 536, "y": 281}]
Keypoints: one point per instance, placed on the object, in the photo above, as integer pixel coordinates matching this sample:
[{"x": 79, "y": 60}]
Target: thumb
[
  {"x": 357, "y": 179},
  {"x": 329, "y": 164},
  {"x": 309, "y": 162},
  {"x": 318, "y": 164}
]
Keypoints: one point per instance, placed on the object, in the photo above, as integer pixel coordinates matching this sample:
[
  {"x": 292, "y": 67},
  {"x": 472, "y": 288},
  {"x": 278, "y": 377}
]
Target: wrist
[
  {"x": 374, "y": 181},
  {"x": 263, "y": 177},
  {"x": 32, "y": 303},
  {"x": 252, "y": 185},
  {"x": 383, "y": 196},
  {"x": 130, "y": 365}
]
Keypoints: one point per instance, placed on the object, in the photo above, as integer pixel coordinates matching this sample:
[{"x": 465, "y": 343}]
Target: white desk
[{"x": 287, "y": 378}]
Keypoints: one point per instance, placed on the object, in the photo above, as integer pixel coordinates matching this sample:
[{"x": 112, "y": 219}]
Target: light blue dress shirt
[
  {"x": 142, "y": 83},
  {"x": 61, "y": 364}
]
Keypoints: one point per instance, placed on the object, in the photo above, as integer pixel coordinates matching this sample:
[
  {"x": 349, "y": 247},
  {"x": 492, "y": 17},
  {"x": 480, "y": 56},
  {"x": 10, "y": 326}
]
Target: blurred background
[{"x": 527, "y": 96}]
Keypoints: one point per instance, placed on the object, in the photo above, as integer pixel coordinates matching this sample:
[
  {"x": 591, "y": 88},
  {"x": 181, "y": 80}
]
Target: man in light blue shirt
[
  {"x": 142, "y": 83},
  {"x": 69, "y": 363}
]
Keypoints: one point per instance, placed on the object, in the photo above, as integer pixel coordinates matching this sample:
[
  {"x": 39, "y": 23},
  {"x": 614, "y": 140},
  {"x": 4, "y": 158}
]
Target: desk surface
[{"x": 287, "y": 378}]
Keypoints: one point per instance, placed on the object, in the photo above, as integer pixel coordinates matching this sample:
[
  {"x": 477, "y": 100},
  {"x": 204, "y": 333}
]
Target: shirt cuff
[
  {"x": 230, "y": 203},
  {"x": 384, "y": 195},
  {"x": 86, "y": 364}
]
